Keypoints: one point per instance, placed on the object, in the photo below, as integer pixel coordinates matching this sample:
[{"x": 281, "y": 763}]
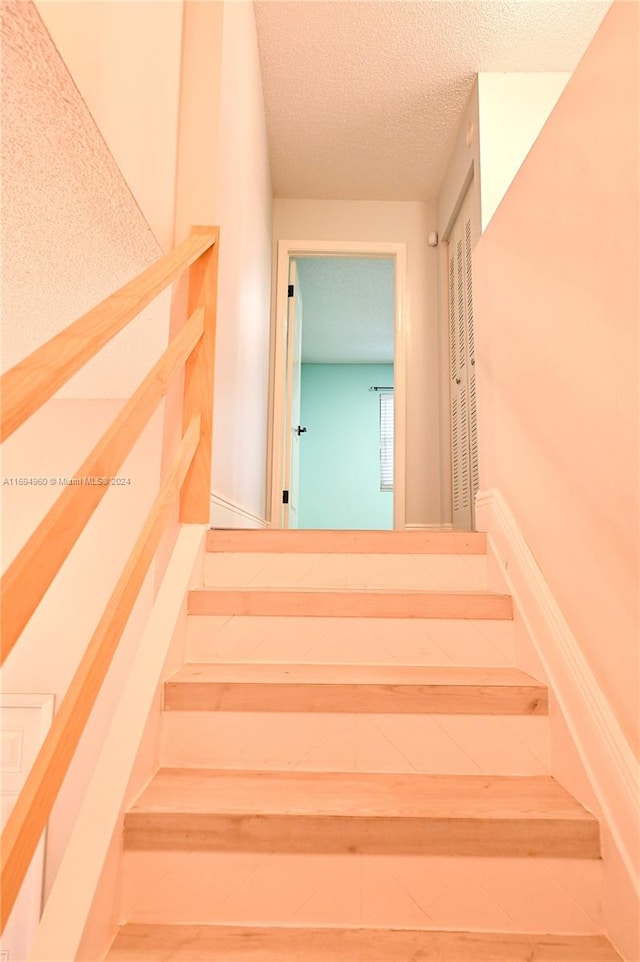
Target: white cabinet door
[
  {"x": 25, "y": 720},
  {"x": 464, "y": 441}
]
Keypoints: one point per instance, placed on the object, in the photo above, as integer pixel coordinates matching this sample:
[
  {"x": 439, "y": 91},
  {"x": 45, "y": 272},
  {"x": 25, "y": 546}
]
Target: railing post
[{"x": 198, "y": 383}]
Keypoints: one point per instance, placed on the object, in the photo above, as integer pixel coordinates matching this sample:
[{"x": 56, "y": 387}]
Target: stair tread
[
  {"x": 312, "y": 674},
  {"x": 351, "y": 602},
  {"x": 359, "y": 590},
  {"x": 376, "y": 689},
  {"x": 208, "y": 943},
  {"x": 296, "y": 793},
  {"x": 347, "y": 542}
]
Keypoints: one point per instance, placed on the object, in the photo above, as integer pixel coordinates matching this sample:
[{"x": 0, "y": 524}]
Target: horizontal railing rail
[
  {"x": 30, "y": 574},
  {"x": 34, "y": 380},
  {"x": 24, "y": 389}
]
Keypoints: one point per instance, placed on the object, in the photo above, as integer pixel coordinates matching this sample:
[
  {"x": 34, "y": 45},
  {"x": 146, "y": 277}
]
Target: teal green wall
[{"x": 339, "y": 454}]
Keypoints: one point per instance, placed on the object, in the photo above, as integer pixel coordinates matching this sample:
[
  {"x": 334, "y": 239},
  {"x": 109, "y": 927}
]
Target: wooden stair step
[
  {"x": 212, "y": 943},
  {"x": 357, "y": 688},
  {"x": 310, "y": 812},
  {"x": 348, "y": 542},
  {"x": 360, "y": 603}
]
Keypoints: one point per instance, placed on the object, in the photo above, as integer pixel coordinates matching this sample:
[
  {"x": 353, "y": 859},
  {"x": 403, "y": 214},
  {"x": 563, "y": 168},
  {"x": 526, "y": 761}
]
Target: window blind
[{"x": 386, "y": 441}]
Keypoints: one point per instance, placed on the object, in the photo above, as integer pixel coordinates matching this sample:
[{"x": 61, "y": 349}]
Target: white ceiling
[
  {"x": 364, "y": 97},
  {"x": 347, "y": 309}
]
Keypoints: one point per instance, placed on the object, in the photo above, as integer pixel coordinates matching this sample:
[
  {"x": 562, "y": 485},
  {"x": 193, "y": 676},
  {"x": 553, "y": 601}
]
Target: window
[{"x": 386, "y": 441}]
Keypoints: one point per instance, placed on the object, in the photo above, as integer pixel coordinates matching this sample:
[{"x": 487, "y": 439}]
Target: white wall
[
  {"x": 462, "y": 168},
  {"x": 400, "y": 222},
  {"x": 224, "y": 179},
  {"x": 513, "y": 109},
  {"x": 124, "y": 58},
  {"x": 243, "y": 211}
]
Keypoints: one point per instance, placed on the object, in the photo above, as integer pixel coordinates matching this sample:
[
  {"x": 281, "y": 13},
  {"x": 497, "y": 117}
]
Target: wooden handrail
[
  {"x": 24, "y": 389},
  {"x": 31, "y": 811},
  {"x": 30, "y": 574},
  {"x": 34, "y": 380}
]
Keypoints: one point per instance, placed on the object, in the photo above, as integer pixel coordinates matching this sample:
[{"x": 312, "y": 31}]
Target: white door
[
  {"x": 293, "y": 429},
  {"x": 464, "y": 441},
  {"x": 25, "y": 720}
]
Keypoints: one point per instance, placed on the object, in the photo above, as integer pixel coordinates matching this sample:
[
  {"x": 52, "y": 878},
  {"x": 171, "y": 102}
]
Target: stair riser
[
  {"x": 499, "y": 894},
  {"x": 337, "y": 834},
  {"x": 350, "y": 604},
  {"x": 350, "y": 641},
  {"x": 387, "y": 571},
  {"x": 449, "y": 745},
  {"x": 386, "y": 699}
]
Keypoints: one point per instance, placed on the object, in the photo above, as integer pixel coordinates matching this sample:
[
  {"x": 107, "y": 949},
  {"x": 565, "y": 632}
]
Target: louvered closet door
[{"x": 464, "y": 443}]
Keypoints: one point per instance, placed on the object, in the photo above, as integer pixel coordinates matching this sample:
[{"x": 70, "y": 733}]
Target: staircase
[{"x": 352, "y": 770}]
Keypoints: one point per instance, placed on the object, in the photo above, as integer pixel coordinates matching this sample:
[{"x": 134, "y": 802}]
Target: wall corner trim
[
  {"x": 228, "y": 514},
  {"x": 607, "y": 757},
  {"x": 446, "y": 526}
]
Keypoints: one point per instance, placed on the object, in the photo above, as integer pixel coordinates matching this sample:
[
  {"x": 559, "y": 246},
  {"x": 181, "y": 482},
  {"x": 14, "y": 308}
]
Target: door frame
[{"x": 310, "y": 248}]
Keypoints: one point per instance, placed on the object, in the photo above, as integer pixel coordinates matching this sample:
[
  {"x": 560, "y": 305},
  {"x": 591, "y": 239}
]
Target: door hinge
[
  {"x": 291, "y": 291},
  {"x": 285, "y": 497}
]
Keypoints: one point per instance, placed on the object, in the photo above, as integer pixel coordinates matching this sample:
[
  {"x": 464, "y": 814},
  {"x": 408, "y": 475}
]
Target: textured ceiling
[
  {"x": 71, "y": 232},
  {"x": 347, "y": 309},
  {"x": 363, "y": 99}
]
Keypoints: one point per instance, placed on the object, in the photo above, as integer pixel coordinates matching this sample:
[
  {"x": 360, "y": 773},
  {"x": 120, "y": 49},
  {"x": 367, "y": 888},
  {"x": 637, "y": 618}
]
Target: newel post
[{"x": 198, "y": 382}]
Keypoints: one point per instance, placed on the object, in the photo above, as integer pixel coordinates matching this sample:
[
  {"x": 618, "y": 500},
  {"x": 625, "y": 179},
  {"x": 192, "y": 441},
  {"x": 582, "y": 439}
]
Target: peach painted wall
[
  {"x": 243, "y": 210},
  {"x": 556, "y": 306},
  {"x": 410, "y": 223},
  {"x": 199, "y": 115},
  {"x": 71, "y": 234},
  {"x": 224, "y": 179},
  {"x": 124, "y": 57}
]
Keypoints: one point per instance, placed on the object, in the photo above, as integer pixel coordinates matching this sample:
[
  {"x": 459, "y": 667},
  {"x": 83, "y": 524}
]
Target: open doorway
[{"x": 338, "y": 423}]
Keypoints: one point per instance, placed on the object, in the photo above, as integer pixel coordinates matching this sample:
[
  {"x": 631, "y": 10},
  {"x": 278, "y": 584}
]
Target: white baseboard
[
  {"x": 226, "y": 514},
  {"x": 602, "y": 746},
  {"x": 428, "y": 527}
]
